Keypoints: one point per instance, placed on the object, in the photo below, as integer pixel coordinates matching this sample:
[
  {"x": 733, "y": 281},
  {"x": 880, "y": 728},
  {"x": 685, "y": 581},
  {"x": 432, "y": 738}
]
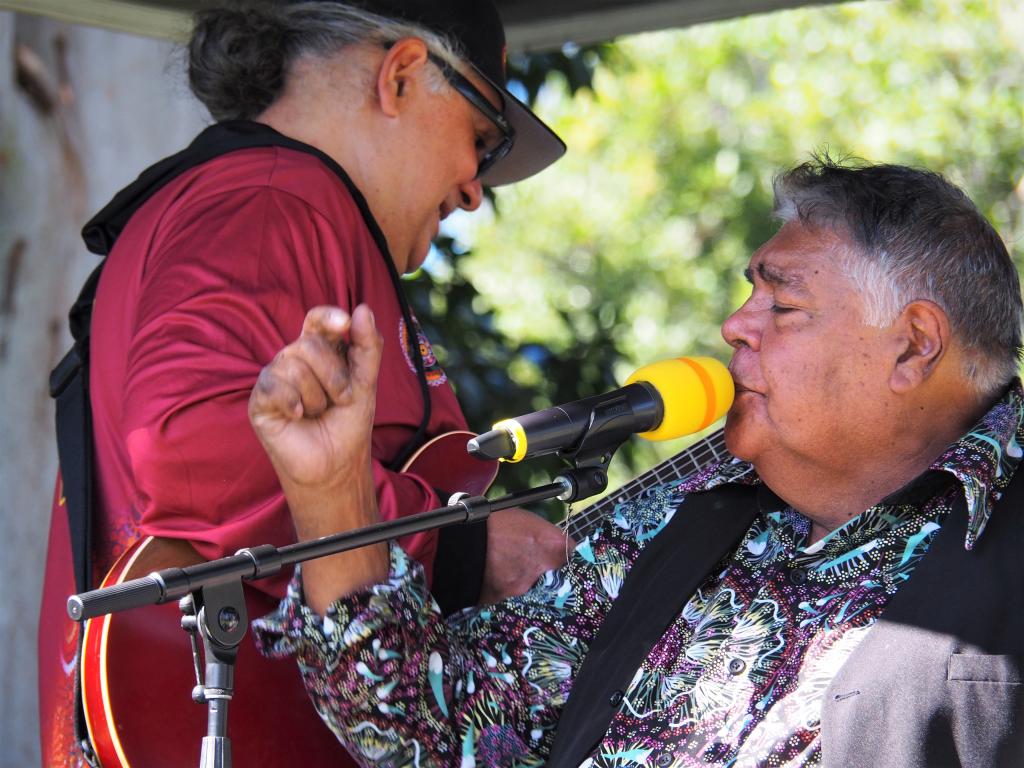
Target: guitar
[
  {"x": 137, "y": 671},
  {"x": 682, "y": 464},
  {"x": 137, "y": 665}
]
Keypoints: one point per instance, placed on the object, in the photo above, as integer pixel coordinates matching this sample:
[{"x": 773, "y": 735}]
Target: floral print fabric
[{"x": 736, "y": 680}]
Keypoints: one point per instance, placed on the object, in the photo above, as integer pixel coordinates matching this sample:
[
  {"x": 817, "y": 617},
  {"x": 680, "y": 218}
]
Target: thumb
[{"x": 364, "y": 350}]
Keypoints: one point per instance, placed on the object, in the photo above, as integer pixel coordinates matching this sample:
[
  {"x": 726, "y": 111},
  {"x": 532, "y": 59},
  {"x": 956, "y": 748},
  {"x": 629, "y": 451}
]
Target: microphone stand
[{"x": 210, "y": 594}]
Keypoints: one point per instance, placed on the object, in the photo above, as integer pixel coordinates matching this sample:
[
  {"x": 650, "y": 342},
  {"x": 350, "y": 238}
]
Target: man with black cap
[{"x": 346, "y": 132}]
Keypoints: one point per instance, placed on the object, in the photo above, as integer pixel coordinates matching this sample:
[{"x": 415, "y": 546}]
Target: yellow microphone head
[{"x": 695, "y": 391}]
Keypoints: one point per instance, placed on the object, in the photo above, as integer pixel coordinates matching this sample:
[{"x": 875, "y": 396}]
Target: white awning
[{"x": 530, "y": 24}]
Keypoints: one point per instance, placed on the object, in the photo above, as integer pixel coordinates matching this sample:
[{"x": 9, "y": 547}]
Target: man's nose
[
  {"x": 471, "y": 194},
  {"x": 742, "y": 328}
]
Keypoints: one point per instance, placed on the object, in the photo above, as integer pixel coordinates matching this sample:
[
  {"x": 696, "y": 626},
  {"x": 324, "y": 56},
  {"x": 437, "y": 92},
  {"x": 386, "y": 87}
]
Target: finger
[
  {"x": 364, "y": 351},
  {"x": 328, "y": 368},
  {"x": 274, "y": 397},
  {"x": 289, "y": 387},
  {"x": 330, "y": 323},
  {"x": 297, "y": 371}
]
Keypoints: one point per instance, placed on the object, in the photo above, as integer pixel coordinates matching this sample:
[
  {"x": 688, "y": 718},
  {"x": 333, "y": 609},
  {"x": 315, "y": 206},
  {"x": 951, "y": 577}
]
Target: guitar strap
[
  {"x": 706, "y": 528},
  {"x": 69, "y": 386},
  {"x": 69, "y": 380}
]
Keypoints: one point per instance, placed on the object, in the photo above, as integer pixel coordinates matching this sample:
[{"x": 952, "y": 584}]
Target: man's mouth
[{"x": 742, "y": 388}]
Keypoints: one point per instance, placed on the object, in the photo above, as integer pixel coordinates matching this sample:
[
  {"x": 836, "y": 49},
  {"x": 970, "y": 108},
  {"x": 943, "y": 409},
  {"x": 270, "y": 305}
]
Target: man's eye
[{"x": 778, "y": 310}]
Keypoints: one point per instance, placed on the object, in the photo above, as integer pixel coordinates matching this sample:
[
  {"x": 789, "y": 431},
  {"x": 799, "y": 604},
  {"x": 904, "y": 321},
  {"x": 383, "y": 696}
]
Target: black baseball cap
[{"x": 475, "y": 26}]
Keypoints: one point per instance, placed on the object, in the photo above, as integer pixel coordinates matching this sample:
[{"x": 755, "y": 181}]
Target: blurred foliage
[
  {"x": 573, "y": 67},
  {"x": 479, "y": 357},
  {"x": 631, "y": 249}
]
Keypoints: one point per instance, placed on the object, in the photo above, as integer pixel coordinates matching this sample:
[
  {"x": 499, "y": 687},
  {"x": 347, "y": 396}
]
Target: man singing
[{"x": 846, "y": 590}]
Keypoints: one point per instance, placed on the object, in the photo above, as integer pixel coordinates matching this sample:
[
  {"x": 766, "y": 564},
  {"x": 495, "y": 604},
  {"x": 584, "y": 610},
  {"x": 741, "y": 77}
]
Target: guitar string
[
  {"x": 576, "y": 524},
  {"x": 697, "y": 456},
  {"x": 692, "y": 464}
]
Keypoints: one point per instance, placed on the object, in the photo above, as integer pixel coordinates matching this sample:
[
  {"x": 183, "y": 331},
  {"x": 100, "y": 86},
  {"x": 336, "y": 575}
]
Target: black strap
[
  {"x": 413, "y": 344},
  {"x": 69, "y": 381},
  {"x": 459, "y": 565},
  {"x": 705, "y": 529},
  {"x": 69, "y": 386}
]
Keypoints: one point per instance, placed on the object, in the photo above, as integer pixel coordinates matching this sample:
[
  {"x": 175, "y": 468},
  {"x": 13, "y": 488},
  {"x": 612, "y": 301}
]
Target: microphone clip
[{"x": 611, "y": 424}]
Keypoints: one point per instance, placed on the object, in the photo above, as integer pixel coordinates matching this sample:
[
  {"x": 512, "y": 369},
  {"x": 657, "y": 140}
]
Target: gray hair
[
  {"x": 916, "y": 236},
  {"x": 240, "y": 54}
]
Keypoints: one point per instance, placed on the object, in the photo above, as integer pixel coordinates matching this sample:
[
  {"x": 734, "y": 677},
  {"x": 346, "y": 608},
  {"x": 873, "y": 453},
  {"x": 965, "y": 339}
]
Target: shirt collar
[
  {"x": 985, "y": 458},
  {"x": 983, "y": 461}
]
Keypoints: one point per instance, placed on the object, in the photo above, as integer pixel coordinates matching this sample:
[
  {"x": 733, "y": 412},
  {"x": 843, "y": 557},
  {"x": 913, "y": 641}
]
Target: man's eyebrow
[{"x": 776, "y": 277}]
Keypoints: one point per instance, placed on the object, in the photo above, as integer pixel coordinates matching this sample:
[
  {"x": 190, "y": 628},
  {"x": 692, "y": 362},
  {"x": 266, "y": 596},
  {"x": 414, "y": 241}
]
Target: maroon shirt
[{"x": 211, "y": 277}]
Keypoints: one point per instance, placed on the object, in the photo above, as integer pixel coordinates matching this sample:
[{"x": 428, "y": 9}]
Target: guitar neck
[{"x": 683, "y": 464}]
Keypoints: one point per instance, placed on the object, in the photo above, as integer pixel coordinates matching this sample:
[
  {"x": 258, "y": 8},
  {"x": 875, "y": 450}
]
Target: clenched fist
[{"x": 312, "y": 408}]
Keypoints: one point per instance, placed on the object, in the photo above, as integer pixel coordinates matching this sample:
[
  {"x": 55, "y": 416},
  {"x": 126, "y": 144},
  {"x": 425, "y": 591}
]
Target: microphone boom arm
[{"x": 210, "y": 594}]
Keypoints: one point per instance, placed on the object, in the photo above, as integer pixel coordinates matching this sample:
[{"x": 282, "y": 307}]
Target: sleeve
[
  {"x": 220, "y": 296},
  {"x": 400, "y": 685}
]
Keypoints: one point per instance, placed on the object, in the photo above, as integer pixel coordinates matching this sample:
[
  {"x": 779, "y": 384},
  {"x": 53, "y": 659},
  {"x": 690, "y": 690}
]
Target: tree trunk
[{"x": 82, "y": 112}]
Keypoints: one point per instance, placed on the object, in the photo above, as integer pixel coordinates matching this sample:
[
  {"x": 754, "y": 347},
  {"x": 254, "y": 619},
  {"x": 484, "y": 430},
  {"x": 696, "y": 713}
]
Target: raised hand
[{"x": 312, "y": 408}]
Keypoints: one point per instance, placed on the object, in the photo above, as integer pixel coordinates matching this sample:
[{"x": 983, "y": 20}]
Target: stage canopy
[{"x": 532, "y": 24}]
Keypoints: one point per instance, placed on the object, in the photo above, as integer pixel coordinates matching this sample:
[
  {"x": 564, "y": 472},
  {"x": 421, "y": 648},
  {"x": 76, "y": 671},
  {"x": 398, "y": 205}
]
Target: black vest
[{"x": 936, "y": 682}]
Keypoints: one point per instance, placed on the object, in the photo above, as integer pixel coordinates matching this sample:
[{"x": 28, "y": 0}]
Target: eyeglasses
[{"x": 493, "y": 151}]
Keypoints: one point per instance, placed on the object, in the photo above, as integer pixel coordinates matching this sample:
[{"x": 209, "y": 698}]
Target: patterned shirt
[{"x": 736, "y": 680}]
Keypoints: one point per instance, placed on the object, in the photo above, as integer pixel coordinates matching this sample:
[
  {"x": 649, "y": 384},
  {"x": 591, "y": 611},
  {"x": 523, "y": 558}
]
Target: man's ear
[
  {"x": 923, "y": 338},
  {"x": 397, "y": 74}
]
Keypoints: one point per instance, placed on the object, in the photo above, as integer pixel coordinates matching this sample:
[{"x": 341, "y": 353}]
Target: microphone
[{"x": 660, "y": 401}]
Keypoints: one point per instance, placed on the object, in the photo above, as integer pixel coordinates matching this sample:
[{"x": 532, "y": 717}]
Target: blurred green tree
[{"x": 631, "y": 249}]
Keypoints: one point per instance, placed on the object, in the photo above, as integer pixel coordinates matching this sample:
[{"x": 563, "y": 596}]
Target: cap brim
[{"x": 535, "y": 148}]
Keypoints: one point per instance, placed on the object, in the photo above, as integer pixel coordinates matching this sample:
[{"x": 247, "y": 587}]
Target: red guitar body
[{"x": 137, "y": 671}]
